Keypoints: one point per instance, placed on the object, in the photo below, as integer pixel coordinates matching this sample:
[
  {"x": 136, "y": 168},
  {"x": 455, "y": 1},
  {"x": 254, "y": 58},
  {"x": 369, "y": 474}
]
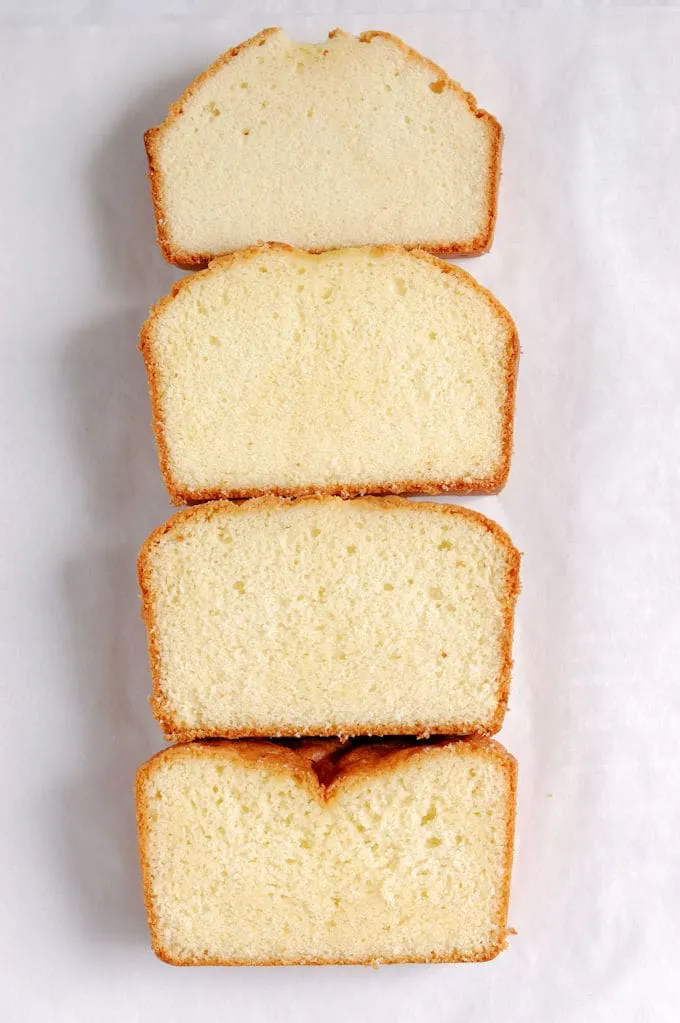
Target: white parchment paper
[{"x": 587, "y": 259}]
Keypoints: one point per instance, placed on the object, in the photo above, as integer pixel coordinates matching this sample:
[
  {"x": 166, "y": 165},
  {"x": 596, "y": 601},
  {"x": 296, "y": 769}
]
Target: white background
[{"x": 587, "y": 259}]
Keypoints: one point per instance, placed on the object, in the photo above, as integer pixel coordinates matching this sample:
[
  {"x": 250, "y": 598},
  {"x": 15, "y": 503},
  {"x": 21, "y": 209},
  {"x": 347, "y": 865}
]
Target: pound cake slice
[
  {"x": 253, "y": 853},
  {"x": 321, "y": 616},
  {"x": 347, "y": 142},
  {"x": 371, "y": 370}
]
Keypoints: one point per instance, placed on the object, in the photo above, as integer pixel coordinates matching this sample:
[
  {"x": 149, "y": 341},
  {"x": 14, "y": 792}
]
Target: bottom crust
[
  {"x": 455, "y": 957},
  {"x": 487, "y": 485},
  {"x": 418, "y": 730}
]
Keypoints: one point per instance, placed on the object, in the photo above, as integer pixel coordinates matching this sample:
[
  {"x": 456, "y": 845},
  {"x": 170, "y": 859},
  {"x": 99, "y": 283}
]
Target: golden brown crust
[
  {"x": 177, "y": 732},
  {"x": 181, "y": 494},
  {"x": 198, "y": 260},
  {"x": 352, "y": 764}
]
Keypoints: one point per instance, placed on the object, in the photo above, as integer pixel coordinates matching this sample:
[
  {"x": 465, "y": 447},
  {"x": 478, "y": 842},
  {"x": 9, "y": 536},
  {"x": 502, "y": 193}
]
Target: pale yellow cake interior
[
  {"x": 364, "y": 367},
  {"x": 338, "y": 143},
  {"x": 247, "y": 863},
  {"x": 321, "y": 616}
]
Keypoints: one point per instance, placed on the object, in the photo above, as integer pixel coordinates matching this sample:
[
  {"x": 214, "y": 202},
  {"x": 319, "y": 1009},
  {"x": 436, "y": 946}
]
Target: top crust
[
  {"x": 323, "y": 765},
  {"x": 188, "y": 260}
]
